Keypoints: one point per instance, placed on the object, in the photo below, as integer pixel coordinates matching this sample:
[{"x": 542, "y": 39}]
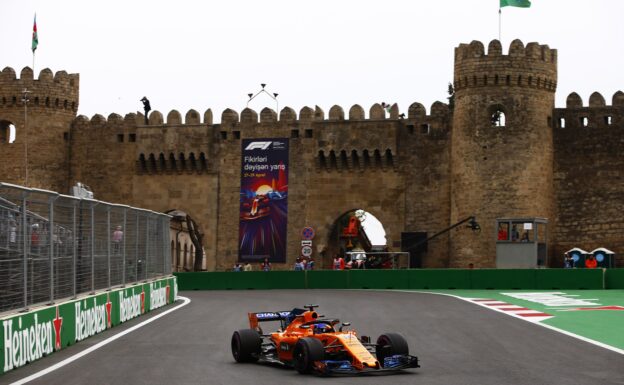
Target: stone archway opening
[
  {"x": 187, "y": 249},
  {"x": 7, "y": 132},
  {"x": 354, "y": 230}
]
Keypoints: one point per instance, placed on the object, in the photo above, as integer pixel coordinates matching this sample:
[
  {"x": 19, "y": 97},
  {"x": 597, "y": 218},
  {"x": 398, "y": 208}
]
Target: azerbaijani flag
[
  {"x": 515, "y": 3},
  {"x": 35, "y": 37}
]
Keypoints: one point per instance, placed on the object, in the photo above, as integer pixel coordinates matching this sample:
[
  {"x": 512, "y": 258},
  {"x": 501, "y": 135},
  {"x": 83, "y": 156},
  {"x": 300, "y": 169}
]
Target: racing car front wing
[{"x": 394, "y": 363}]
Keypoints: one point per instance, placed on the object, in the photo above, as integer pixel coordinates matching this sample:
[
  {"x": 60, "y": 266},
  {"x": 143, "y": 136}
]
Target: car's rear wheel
[
  {"x": 390, "y": 344},
  {"x": 246, "y": 345},
  {"x": 307, "y": 351}
]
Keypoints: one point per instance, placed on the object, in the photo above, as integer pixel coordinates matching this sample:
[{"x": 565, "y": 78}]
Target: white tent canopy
[
  {"x": 577, "y": 249},
  {"x": 602, "y": 249}
]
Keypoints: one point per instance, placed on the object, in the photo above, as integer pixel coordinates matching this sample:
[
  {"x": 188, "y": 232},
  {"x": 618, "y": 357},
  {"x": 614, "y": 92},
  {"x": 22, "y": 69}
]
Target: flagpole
[
  {"x": 499, "y": 25},
  {"x": 35, "y": 41}
]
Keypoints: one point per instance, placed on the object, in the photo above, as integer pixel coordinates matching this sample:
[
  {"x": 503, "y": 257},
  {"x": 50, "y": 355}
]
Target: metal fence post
[
  {"x": 147, "y": 223},
  {"x": 92, "y": 248},
  {"x": 51, "y": 241},
  {"x": 166, "y": 246},
  {"x": 25, "y": 246},
  {"x": 74, "y": 249},
  {"x": 108, "y": 245},
  {"x": 123, "y": 249},
  {"x": 136, "y": 254}
]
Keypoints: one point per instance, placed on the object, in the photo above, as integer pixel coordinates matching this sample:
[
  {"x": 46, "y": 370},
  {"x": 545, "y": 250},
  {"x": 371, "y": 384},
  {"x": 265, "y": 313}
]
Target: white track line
[
  {"x": 83, "y": 353},
  {"x": 567, "y": 333}
]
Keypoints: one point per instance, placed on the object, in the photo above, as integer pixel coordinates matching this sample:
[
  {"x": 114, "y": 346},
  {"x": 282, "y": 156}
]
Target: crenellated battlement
[
  {"x": 50, "y": 90},
  {"x": 247, "y": 116},
  {"x": 533, "y": 50},
  {"x": 532, "y": 66},
  {"x": 438, "y": 117},
  {"x": 597, "y": 114}
]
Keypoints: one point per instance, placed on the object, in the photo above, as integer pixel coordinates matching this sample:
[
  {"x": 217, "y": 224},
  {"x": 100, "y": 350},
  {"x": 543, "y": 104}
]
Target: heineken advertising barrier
[
  {"x": 417, "y": 279},
  {"x": 29, "y": 336}
]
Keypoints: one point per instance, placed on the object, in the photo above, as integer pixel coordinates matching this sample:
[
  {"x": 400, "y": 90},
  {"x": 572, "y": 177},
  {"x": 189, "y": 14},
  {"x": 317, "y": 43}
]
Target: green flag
[
  {"x": 35, "y": 38},
  {"x": 515, "y": 3}
]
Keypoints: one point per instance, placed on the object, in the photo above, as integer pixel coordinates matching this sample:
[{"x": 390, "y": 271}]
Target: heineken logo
[
  {"x": 158, "y": 296},
  {"x": 131, "y": 306},
  {"x": 24, "y": 344},
  {"x": 90, "y": 320}
]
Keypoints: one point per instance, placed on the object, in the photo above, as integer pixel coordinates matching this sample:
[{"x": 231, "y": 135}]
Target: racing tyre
[
  {"x": 307, "y": 351},
  {"x": 390, "y": 344},
  {"x": 246, "y": 345}
]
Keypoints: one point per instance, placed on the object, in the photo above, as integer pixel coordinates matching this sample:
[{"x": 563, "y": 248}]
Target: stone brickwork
[
  {"x": 415, "y": 172},
  {"x": 42, "y": 131},
  {"x": 589, "y": 174},
  {"x": 501, "y": 171}
]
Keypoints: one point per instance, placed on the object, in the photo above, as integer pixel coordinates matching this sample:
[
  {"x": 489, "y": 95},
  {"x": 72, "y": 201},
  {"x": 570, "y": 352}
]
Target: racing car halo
[{"x": 310, "y": 343}]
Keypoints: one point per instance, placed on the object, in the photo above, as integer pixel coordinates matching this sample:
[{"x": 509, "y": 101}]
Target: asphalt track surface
[{"x": 456, "y": 342}]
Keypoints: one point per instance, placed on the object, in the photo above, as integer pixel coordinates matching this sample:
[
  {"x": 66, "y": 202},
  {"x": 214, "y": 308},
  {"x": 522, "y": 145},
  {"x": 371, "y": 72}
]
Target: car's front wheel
[
  {"x": 246, "y": 345},
  {"x": 390, "y": 344},
  {"x": 307, "y": 351}
]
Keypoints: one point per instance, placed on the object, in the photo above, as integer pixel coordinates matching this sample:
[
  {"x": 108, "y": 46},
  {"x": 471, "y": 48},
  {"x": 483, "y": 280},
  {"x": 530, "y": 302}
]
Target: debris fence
[{"x": 55, "y": 246}]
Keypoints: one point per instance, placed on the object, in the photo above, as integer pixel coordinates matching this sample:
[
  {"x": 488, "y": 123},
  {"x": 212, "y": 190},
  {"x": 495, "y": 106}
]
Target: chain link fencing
[{"x": 56, "y": 246}]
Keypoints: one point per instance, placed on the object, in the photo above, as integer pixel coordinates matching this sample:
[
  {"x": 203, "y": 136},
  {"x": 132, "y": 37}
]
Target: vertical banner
[{"x": 263, "y": 200}]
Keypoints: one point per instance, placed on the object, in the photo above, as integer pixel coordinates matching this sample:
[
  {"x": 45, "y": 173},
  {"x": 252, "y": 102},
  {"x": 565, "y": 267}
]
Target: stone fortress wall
[
  {"x": 53, "y": 103},
  {"x": 420, "y": 172}
]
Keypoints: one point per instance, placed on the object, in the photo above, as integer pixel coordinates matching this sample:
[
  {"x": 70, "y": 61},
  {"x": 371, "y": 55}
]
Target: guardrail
[
  {"x": 57, "y": 246},
  {"x": 504, "y": 279}
]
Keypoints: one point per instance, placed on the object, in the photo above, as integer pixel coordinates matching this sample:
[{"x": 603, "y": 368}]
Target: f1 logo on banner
[{"x": 258, "y": 146}]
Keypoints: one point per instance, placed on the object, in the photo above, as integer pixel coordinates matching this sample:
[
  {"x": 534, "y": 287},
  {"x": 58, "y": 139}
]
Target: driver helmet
[{"x": 322, "y": 327}]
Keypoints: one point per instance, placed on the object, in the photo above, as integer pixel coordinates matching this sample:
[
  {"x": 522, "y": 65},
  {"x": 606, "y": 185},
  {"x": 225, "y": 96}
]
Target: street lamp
[
  {"x": 25, "y": 100},
  {"x": 273, "y": 96},
  {"x": 472, "y": 224}
]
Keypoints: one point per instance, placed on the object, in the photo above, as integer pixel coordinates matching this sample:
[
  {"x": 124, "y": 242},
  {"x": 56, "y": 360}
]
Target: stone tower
[
  {"x": 500, "y": 167},
  {"x": 41, "y": 143}
]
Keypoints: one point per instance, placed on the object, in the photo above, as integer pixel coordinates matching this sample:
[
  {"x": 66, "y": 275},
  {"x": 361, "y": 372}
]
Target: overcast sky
[{"x": 210, "y": 54}]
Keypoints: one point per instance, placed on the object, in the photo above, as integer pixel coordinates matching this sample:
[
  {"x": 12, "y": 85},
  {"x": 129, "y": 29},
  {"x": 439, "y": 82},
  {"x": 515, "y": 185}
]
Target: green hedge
[{"x": 495, "y": 279}]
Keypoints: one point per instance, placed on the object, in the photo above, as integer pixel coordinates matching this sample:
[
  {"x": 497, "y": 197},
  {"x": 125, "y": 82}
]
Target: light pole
[
  {"x": 25, "y": 100},
  {"x": 274, "y": 97}
]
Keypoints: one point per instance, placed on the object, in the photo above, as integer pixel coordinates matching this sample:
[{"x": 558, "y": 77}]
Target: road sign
[
  {"x": 306, "y": 251},
  {"x": 306, "y": 243},
  {"x": 307, "y": 233}
]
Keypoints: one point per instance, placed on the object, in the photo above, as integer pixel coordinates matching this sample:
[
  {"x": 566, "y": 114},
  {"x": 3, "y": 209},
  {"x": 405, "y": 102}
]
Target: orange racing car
[{"x": 311, "y": 343}]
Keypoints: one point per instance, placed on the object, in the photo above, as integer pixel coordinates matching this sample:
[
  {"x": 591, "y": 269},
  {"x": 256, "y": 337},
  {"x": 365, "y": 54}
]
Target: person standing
[
  {"x": 568, "y": 261},
  {"x": 34, "y": 239},
  {"x": 502, "y": 232},
  {"x": 339, "y": 263},
  {"x": 147, "y": 108},
  {"x": 12, "y": 232},
  {"x": 590, "y": 262},
  {"x": 247, "y": 266},
  {"x": 117, "y": 238},
  {"x": 266, "y": 265}
]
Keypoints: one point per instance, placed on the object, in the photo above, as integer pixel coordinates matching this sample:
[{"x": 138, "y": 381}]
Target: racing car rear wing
[{"x": 284, "y": 316}]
